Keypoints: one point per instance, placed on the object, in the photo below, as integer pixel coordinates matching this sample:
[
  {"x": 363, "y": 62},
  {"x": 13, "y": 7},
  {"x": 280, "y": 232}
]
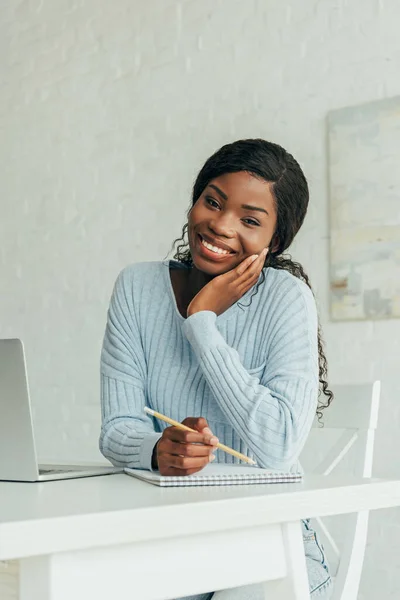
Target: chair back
[{"x": 354, "y": 410}]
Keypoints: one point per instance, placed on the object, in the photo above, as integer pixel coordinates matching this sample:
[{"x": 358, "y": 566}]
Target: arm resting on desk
[{"x": 127, "y": 434}]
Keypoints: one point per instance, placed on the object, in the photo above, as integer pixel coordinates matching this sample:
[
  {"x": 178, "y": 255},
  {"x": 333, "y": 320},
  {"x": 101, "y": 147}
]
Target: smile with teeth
[{"x": 214, "y": 248}]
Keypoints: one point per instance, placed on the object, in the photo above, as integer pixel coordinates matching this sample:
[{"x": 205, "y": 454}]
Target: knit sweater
[{"x": 251, "y": 372}]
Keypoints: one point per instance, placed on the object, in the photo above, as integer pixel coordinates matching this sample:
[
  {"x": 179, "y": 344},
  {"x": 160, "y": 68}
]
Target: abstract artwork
[{"x": 364, "y": 185}]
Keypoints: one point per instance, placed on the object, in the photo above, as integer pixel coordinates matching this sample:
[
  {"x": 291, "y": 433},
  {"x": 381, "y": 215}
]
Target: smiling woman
[
  {"x": 272, "y": 178},
  {"x": 223, "y": 338}
]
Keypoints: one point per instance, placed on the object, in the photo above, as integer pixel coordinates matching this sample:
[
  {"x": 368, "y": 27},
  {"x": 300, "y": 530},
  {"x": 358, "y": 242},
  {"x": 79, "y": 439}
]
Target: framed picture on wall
[{"x": 364, "y": 188}]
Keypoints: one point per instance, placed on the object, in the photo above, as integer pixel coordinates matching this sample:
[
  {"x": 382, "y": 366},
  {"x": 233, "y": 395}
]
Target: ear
[{"x": 274, "y": 244}]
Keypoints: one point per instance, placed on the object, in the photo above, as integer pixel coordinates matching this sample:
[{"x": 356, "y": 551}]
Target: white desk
[{"x": 116, "y": 537}]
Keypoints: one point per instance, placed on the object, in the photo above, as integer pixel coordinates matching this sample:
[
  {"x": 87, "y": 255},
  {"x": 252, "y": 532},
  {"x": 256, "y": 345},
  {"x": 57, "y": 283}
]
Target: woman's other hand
[
  {"x": 224, "y": 290},
  {"x": 180, "y": 452}
]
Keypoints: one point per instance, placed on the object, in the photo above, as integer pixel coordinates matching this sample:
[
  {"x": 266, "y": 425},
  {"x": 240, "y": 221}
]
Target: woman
[{"x": 228, "y": 331}]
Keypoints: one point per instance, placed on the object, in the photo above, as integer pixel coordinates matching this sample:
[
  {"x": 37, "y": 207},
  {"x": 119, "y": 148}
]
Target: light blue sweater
[{"x": 251, "y": 372}]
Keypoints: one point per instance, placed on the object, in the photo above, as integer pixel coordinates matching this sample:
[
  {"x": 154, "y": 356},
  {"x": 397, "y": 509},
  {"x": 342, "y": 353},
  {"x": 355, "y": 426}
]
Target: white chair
[{"x": 354, "y": 409}]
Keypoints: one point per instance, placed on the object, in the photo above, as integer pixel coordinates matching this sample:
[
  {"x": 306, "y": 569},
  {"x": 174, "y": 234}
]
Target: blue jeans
[{"x": 317, "y": 568}]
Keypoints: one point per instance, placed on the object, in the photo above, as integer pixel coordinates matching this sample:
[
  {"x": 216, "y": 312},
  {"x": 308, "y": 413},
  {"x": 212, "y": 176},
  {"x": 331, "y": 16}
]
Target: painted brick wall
[{"x": 107, "y": 110}]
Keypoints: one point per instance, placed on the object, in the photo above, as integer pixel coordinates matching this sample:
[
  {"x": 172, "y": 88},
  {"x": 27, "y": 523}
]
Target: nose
[{"x": 222, "y": 226}]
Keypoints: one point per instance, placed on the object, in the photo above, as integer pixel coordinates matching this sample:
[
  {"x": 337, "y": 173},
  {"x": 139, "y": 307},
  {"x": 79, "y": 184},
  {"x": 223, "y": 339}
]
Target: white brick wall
[{"x": 107, "y": 111}]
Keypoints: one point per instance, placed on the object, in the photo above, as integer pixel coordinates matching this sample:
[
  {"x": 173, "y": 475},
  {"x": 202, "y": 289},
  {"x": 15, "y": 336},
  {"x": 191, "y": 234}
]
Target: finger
[
  {"x": 191, "y": 450},
  {"x": 188, "y": 437},
  {"x": 201, "y": 425},
  {"x": 252, "y": 262},
  {"x": 185, "y": 437},
  {"x": 258, "y": 264},
  {"x": 245, "y": 264},
  {"x": 263, "y": 255},
  {"x": 186, "y": 462},
  {"x": 198, "y": 423},
  {"x": 254, "y": 269},
  {"x": 174, "y": 472},
  {"x": 249, "y": 282}
]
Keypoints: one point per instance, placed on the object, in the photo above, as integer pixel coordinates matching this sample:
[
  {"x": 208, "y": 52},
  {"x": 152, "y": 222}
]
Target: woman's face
[{"x": 235, "y": 213}]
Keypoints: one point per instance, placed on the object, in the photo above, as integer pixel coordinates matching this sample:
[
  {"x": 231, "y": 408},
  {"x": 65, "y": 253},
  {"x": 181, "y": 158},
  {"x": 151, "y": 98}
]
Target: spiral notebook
[{"x": 219, "y": 474}]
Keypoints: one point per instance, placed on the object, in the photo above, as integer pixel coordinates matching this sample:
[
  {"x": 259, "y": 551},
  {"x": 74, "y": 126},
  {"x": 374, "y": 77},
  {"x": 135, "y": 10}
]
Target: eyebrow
[
  {"x": 246, "y": 206},
  {"x": 220, "y": 192}
]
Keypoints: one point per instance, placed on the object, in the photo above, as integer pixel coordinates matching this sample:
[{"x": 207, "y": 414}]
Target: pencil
[{"x": 226, "y": 449}]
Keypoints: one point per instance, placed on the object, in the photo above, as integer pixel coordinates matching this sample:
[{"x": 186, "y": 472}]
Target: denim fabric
[{"x": 317, "y": 568}]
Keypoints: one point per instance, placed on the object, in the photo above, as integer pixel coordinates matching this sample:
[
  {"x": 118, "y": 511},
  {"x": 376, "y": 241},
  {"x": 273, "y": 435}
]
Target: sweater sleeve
[
  {"x": 127, "y": 434},
  {"x": 272, "y": 415}
]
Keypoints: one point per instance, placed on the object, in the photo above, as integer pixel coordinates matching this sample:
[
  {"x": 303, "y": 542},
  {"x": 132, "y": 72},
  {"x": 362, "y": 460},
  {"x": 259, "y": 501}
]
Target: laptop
[{"x": 18, "y": 460}]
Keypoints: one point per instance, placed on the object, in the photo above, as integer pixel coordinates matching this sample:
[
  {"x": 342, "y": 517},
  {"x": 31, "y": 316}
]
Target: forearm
[
  {"x": 124, "y": 446},
  {"x": 274, "y": 418},
  {"x": 127, "y": 434}
]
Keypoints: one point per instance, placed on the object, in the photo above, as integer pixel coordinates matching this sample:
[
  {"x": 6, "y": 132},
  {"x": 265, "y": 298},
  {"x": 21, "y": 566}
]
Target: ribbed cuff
[
  {"x": 201, "y": 331},
  {"x": 146, "y": 450}
]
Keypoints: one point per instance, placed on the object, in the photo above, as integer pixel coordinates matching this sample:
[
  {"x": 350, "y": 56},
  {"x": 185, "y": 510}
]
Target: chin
[
  {"x": 210, "y": 268},
  {"x": 205, "y": 267}
]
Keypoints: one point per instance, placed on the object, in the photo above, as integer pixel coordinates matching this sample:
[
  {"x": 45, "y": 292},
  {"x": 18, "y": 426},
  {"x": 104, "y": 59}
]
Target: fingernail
[
  {"x": 207, "y": 430},
  {"x": 212, "y": 457},
  {"x": 254, "y": 257},
  {"x": 214, "y": 440}
]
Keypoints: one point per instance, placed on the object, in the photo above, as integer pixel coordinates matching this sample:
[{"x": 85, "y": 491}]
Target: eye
[
  {"x": 252, "y": 222},
  {"x": 211, "y": 202}
]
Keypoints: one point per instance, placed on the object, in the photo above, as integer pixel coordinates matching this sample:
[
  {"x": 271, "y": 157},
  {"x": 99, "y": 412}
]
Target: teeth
[{"x": 214, "y": 248}]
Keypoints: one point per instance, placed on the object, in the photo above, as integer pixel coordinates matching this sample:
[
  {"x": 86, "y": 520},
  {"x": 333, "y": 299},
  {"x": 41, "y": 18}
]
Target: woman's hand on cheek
[{"x": 226, "y": 289}]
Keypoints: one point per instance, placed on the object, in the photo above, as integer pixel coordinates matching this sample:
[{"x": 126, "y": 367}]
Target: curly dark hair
[{"x": 269, "y": 162}]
